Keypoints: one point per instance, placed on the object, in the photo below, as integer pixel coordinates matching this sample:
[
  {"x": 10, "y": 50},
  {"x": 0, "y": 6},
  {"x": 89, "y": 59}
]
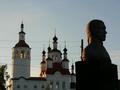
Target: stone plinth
[{"x": 92, "y": 76}]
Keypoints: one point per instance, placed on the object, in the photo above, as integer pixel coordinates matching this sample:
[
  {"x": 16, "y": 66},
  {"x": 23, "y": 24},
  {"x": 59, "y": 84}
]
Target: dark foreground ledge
[{"x": 92, "y": 76}]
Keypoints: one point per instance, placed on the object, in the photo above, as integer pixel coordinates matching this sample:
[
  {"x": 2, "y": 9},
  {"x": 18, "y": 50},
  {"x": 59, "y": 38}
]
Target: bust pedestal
[{"x": 93, "y": 76}]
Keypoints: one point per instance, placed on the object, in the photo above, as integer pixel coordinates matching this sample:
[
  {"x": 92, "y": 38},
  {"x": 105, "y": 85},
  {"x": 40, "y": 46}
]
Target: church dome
[
  {"x": 21, "y": 43},
  {"x": 21, "y": 32},
  {"x": 55, "y": 38}
]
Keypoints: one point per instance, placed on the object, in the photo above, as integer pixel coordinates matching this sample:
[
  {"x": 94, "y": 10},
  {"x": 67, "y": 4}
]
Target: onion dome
[
  {"x": 43, "y": 52},
  {"x": 65, "y": 54},
  {"x": 65, "y": 50},
  {"x": 22, "y": 27},
  {"x": 43, "y": 57},
  {"x": 49, "y": 49},
  {"x": 55, "y": 42},
  {"x": 55, "y": 38}
]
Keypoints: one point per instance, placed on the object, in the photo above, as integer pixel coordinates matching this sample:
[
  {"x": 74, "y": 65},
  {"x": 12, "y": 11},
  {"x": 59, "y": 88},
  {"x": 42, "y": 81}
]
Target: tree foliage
[
  {"x": 2, "y": 74},
  {"x": 2, "y": 80}
]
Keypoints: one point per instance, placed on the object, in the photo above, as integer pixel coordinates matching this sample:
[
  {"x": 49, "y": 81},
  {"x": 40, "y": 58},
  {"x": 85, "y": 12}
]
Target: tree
[{"x": 2, "y": 80}]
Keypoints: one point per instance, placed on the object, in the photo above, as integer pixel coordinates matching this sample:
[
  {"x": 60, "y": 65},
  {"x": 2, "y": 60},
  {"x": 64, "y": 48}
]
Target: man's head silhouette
[{"x": 96, "y": 29}]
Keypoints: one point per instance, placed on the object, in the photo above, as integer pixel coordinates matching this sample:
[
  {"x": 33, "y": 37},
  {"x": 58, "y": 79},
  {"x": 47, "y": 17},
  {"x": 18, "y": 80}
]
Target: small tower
[
  {"x": 43, "y": 65},
  {"x": 73, "y": 78},
  {"x": 49, "y": 62},
  {"x": 72, "y": 70},
  {"x": 65, "y": 61},
  {"x": 21, "y": 56},
  {"x": 49, "y": 59},
  {"x": 55, "y": 54},
  {"x": 55, "y": 42}
]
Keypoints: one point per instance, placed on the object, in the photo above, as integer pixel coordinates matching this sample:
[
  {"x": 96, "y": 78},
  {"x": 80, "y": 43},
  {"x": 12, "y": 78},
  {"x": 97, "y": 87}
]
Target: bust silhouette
[
  {"x": 95, "y": 51},
  {"x": 95, "y": 71}
]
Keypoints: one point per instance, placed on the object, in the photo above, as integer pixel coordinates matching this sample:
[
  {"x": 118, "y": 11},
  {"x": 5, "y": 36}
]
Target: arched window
[
  {"x": 43, "y": 86},
  {"x": 35, "y": 86},
  {"x": 18, "y": 86},
  {"x": 57, "y": 85},
  {"x": 25, "y": 86},
  {"x": 28, "y": 54},
  {"x": 16, "y": 53},
  {"x": 22, "y": 54},
  {"x": 51, "y": 84},
  {"x": 63, "y": 85}
]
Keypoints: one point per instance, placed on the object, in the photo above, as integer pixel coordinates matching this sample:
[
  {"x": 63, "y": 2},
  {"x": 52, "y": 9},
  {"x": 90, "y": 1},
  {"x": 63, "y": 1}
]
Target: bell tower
[{"x": 21, "y": 56}]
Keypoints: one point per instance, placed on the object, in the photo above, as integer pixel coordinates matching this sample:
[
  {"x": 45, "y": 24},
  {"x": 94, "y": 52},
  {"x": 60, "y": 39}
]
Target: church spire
[
  {"x": 55, "y": 38},
  {"x": 65, "y": 52},
  {"x": 55, "y": 41},
  {"x": 72, "y": 69},
  {"x": 49, "y": 48},
  {"x": 22, "y": 33},
  {"x": 22, "y": 26},
  {"x": 43, "y": 56}
]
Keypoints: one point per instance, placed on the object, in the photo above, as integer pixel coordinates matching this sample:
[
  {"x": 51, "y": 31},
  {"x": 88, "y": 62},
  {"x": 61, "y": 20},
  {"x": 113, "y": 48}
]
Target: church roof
[
  {"x": 30, "y": 78},
  {"x": 58, "y": 67},
  {"x": 21, "y": 32},
  {"x": 21, "y": 43},
  {"x": 37, "y": 78}
]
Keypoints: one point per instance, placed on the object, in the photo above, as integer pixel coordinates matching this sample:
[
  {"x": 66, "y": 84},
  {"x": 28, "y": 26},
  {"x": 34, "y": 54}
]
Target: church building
[{"x": 54, "y": 73}]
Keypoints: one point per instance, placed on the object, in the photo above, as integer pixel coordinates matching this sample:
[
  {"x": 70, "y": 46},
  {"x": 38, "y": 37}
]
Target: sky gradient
[{"x": 69, "y": 17}]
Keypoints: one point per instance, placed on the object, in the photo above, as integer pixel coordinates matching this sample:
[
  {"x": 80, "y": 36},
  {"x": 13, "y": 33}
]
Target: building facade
[{"x": 54, "y": 74}]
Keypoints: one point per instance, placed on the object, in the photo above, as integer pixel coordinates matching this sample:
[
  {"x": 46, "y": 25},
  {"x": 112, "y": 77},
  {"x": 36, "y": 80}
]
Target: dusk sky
[{"x": 68, "y": 17}]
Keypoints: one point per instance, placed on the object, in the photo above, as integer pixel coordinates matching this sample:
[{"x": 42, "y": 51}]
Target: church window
[
  {"x": 28, "y": 54},
  {"x": 35, "y": 86},
  {"x": 51, "y": 84},
  {"x": 16, "y": 53},
  {"x": 63, "y": 85},
  {"x": 42, "y": 86},
  {"x": 18, "y": 86},
  {"x": 22, "y": 54},
  {"x": 57, "y": 85},
  {"x": 25, "y": 86}
]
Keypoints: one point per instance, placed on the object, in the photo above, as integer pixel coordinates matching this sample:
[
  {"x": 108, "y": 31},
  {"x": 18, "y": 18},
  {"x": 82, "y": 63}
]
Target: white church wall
[
  {"x": 23, "y": 84},
  {"x": 62, "y": 80}
]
